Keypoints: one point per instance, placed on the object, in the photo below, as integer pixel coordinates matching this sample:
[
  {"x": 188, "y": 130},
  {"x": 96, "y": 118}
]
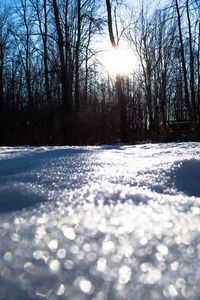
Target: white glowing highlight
[{"x": 120, "y": 61}]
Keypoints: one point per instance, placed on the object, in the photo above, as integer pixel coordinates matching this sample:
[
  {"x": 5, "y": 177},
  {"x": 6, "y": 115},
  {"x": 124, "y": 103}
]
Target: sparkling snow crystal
[{"x": 109, "y": 222}]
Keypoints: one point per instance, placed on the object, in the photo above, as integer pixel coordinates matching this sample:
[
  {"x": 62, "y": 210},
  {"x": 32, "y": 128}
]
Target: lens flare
[{"x": 120, "y": 61}]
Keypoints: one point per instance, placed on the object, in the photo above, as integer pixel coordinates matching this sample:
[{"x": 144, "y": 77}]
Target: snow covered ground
[{"x": 109, "y": 222}]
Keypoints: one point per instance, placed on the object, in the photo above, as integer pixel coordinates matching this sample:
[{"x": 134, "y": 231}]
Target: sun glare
[{"x": 120, "y": 61}]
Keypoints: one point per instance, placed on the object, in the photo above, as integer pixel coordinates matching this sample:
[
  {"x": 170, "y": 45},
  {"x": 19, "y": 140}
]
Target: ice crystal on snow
[{"x": 109, "y": 222}]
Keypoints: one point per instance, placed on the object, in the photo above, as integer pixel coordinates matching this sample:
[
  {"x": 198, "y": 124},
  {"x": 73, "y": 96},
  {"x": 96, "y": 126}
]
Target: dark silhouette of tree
[
  {"x": 119, "y": 79},
  {"x": 53, "y": 89}
]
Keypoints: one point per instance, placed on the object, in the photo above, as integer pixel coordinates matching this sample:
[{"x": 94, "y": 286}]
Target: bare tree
[
  {"x": 187, "y": 99},
  {"x": 119, "y": 79},
  {"x": 4, "y": 37},
  {"x": 41, "y": 11},
  {"x": 110, "y": 24},
  {"x": 77, "y": 57}
]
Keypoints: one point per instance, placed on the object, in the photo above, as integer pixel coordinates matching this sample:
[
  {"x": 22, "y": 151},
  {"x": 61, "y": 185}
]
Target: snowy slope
[{"x": 109, "y": 222}]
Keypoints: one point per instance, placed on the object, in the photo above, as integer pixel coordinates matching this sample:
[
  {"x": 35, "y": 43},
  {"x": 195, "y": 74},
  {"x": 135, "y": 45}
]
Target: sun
[{"x": 119, "y": 61}]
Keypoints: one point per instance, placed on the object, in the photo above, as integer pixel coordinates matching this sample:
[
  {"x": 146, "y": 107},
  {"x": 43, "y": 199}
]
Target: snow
[{"x": 108, "y": 222}]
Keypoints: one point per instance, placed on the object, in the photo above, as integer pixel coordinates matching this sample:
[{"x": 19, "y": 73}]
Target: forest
[{"x": 55, "y": 91}]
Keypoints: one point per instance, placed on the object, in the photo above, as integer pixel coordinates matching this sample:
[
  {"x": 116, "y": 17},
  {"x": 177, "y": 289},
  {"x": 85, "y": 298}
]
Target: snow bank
[{"x": 118, "y": 222}]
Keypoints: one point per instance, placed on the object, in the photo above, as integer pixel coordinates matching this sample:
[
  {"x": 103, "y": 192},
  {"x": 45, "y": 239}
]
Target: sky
[{"x": 108, "y": 58}]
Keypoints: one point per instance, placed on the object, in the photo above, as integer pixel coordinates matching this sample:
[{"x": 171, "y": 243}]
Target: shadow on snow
[{"x": 187, "y": 177}]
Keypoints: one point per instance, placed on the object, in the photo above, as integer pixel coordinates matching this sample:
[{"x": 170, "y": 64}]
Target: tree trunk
[
  {"x": 110, "y": 24},
  {"x": 192, "y": 85},
  {"x": 198, "y": 70},
  {"x": 120, "y": 95},
  {"x": 86, "y": 61},
  {"x": 187, "y": 100},
  {"x": 122, "y": 108},
  {"x": 77, "y": 58},
  {"x": 1, "y": 81},
  {"x": 46, "y": 68},
  {"x": 63, "y": 67}
]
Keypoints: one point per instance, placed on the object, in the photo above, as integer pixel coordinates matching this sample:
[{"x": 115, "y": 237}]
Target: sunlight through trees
[{"x": 62, "y": 83}]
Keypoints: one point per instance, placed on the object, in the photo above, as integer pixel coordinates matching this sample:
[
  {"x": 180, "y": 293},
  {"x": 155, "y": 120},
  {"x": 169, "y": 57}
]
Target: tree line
[{"x": 53, "y": 89}]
